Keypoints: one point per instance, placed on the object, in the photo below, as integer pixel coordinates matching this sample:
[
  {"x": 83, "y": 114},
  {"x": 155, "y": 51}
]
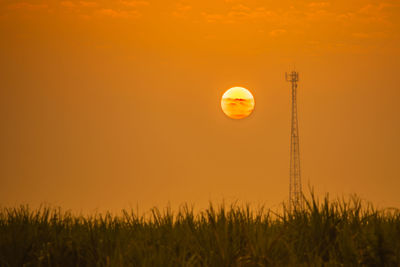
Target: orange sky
[{"x": 111, "y": 104}]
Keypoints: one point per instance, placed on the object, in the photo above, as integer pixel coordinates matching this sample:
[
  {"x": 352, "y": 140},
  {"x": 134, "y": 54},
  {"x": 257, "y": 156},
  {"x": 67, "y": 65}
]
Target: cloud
[
  {"x": 364, "y": 35},
  {"x": 370, "y": 14},
  {"x": 371, "y": 9},
  {"x": 239, "y": 13},
  {"x": 71, "y": 4},
  {"x": 181, "y": 10},
  {"x": 108, "y": 12},
  {"x": 212, "y": 17},
  {"x": 241, "y": 7},
  {"x": 277, "y": 32},
  {"x": 88, "y": 4},
  {"x": 319, "y": 4},
  {"x": 379, "y": 13},
  {"x": 134, "y": 3},
  {"x": 117, "y": 9},
  {"x": 78, "y": 5},
  {"x": 128, "y": 9},
  {"x": 68, "y": 4},
  {"x": 27, "y": 6},
  {"x": 345, "y": 16}
]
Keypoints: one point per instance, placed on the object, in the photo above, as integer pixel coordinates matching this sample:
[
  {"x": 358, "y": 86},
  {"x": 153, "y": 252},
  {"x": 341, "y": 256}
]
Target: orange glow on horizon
[{"x": 110, "y": 103}]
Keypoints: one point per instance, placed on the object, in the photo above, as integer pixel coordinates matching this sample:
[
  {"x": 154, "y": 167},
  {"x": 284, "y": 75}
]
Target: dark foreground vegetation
[{"x": 338, "y": 233}]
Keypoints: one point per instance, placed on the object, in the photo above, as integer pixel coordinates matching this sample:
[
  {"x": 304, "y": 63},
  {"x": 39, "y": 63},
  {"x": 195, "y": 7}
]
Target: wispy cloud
[
  {"x": 88, "y": 4},
  {"x": 78, "y": 4},
  {"x": 364, "y": 35},
  {"x": 241, "y": 7},
  {"x": 319, "y": 4},
  {"x": 27, "y": 6},
  {"x": 370, "y": 15},
  {"x": 117, "y": 9},
  {"x": 238, "y": 13},
  {"x": 68, "y": 4},
  {"x": 134, "y": 3},
  {"x": 181, "y": 10},
  {"x": 108, "y": 12},
  {"x": 209, "y": 17},
  {"x": 277, "y": 32}
]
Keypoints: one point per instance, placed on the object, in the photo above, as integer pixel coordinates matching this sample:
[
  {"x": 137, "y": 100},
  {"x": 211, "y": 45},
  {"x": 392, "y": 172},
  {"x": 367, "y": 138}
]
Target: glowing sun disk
[{"x": 237, "y": 103}]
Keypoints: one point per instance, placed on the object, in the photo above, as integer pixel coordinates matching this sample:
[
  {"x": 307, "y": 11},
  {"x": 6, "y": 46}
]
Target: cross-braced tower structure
[{"x": 295, "y": 191}]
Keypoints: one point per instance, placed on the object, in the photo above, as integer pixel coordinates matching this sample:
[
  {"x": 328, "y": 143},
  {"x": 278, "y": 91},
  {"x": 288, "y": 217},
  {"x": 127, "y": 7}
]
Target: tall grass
[{"x": 326, "y": 233}]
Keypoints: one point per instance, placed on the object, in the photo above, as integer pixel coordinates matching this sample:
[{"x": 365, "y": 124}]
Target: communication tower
[{"x": 295, "y": 191}]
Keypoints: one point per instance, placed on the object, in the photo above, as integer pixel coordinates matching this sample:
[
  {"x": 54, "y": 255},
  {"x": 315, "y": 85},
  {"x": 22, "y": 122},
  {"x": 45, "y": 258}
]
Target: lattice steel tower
[{"x": 295, "y": 191}]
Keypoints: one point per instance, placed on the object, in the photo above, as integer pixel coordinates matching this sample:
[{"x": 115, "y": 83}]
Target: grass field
[{"x": 326, "y": 233}]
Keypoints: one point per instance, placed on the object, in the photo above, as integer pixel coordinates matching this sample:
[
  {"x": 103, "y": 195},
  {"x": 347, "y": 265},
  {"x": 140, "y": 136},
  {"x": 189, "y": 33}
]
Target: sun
[{"x": 237, "y": 103}]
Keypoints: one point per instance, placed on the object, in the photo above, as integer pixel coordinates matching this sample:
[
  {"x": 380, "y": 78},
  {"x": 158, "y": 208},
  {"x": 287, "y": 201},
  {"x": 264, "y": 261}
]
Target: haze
[{"x": 111, "y": 104}]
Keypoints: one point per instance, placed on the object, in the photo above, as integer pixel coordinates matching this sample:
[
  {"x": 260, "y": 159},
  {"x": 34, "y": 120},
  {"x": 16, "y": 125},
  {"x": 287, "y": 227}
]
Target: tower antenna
[{"x": 295, "y": 191}]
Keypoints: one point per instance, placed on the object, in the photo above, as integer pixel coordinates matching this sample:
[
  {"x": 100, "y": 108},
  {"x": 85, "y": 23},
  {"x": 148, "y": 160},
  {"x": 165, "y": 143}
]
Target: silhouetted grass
[{"x": 338, "y": 233}]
